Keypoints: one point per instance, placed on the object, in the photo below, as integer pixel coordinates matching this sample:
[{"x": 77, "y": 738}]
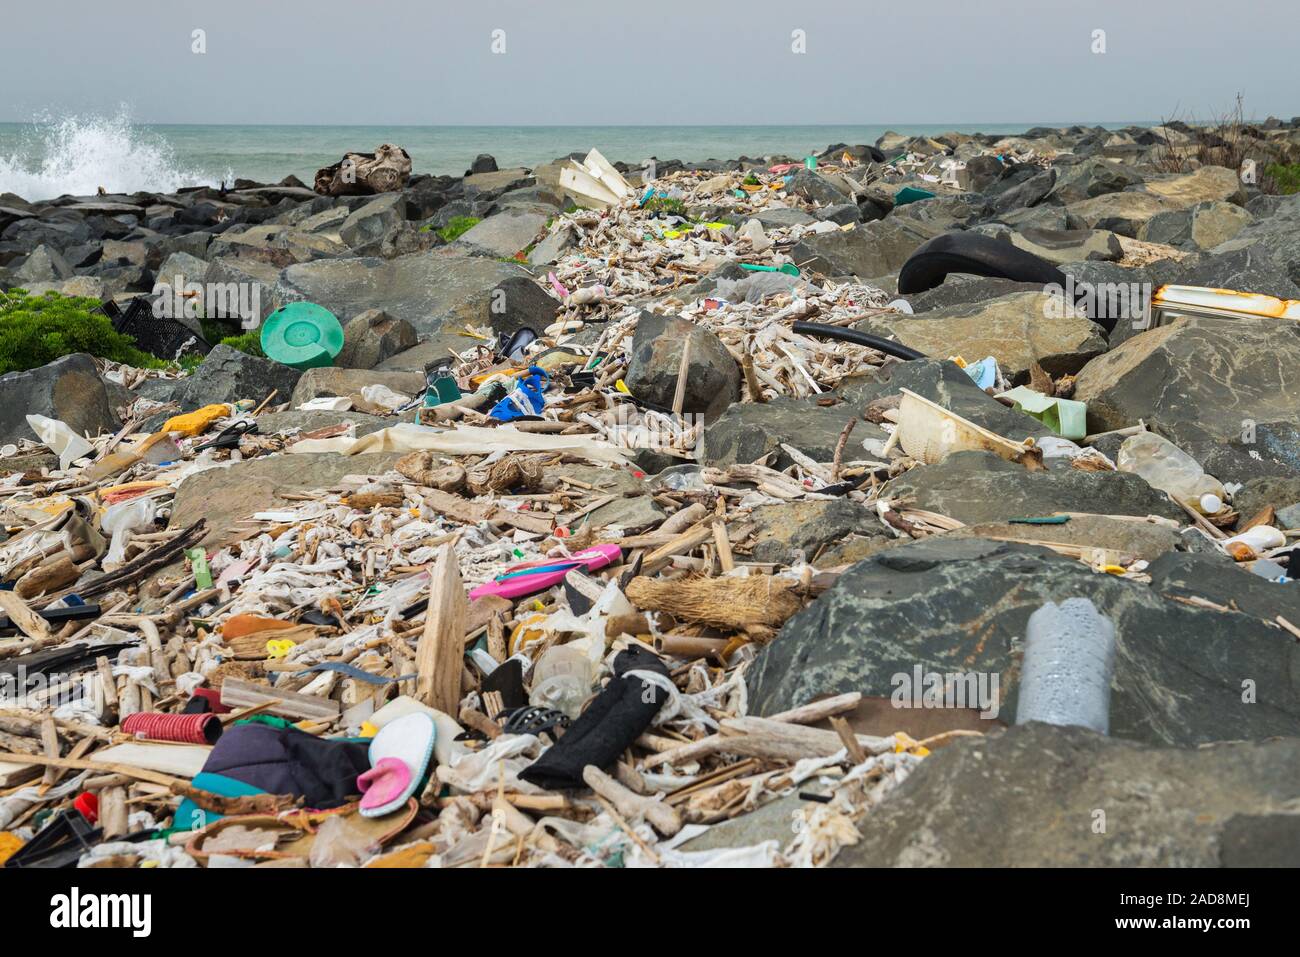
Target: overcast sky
[{"x": 580, "y": 62}]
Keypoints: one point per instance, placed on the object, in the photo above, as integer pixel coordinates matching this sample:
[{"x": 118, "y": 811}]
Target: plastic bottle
[
  {"x": 1069, "y": 661},
  {"x": 1167, "y": 467},
  {"x": 562, "y": 679}
]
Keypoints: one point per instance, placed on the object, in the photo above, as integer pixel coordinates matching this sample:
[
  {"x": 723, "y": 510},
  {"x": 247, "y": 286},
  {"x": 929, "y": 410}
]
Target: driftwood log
[{"x": 386, "y": 170}]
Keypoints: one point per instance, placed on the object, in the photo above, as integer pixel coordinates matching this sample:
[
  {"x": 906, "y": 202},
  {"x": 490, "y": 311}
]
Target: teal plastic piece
[
  {"x": 302, "y": 335},
  {"x": 790, "y": 269},
  {"x": 910, "y": 194},
  {"x": 442, "y": 390}
]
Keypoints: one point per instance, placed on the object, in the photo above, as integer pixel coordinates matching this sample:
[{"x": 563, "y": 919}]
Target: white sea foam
[{"x": 78, "y": 154}]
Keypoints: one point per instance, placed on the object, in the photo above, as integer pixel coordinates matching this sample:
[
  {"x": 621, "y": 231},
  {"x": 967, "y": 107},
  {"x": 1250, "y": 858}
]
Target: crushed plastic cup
[{"x": 63, "y": 442}]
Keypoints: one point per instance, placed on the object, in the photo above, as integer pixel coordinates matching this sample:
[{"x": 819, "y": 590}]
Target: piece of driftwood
[
  {"x": 818, "y": 710},
  {"x": 137, "y": 568},
  {"x": 663, "y": 818},
  {"x": 285, "y": 704},
  {"x": 21, "y": 615},
  {"x": 385, "y": 170},
  {"x": 769, "y": 739},
  {"x": 441, "y": 649}
]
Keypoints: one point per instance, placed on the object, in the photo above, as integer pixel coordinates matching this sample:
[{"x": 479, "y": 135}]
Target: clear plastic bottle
[
  {"x": 1069, "y": 661},
  {"x": 562, "y": 679},
  {"x": 1167, "y": 467}
]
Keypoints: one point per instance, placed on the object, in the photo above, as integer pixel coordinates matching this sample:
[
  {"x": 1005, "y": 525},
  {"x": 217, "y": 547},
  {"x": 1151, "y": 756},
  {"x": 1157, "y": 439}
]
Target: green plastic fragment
[
  {"x": 910, "y": 194},
  {"x": 199, "y": 563},
  {"x": 1066, "y": 417}
]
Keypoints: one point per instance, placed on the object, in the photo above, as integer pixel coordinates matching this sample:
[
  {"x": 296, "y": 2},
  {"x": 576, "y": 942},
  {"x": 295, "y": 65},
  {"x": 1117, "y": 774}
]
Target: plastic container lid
[{"x": 302, "y": 335}]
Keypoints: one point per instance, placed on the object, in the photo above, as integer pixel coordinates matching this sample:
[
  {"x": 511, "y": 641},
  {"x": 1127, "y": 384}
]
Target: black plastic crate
[{"x": 161, "y": 337}]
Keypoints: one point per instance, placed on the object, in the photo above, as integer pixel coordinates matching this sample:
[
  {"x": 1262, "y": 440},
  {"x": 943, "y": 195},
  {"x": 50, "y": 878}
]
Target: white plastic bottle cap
[{"x": 1211, "y": 503}]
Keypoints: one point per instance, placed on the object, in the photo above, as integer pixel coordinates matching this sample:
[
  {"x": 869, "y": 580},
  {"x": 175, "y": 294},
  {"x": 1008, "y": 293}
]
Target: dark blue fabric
[{"x": 289, "y": 761}]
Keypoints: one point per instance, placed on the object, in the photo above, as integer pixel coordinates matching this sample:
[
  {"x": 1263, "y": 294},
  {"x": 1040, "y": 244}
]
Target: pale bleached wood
[{"x": 439, "y": 654}]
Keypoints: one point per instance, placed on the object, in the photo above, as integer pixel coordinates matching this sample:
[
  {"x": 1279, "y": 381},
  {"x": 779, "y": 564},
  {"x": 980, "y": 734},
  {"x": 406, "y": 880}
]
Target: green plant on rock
[
  {"x": 250, "y": 343},
  {"x": 457, "y": 226},
  {"x": 1286, "y": 176},
  {"x": 665, "y": 204},
  {"x": 37, "y": 329}
]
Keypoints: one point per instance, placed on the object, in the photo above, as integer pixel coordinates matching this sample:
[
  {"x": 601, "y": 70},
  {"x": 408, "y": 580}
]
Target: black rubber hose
[
  {"x": 977, "y": 255},
  {"x": 980, "y": 255},
  {"x": 821, "y": 331}
]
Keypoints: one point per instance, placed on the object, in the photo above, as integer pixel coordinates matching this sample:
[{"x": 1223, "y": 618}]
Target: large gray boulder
[
  {"x": 712, "y": 376},
  {"x": 1277, "y": 233},
  {"x": 366, "y": 228},
  {"x": 503, "y": 234},
  {"x": 1043, "y": 796},
  {"x": 867, "y": 250},
  {"x": 747, "y": 431},
  {"x": 1215, "y": 578},
  {"x": 1091, "y": 178},
  {"x": 1184, "y": 675},
  {"x": 830, "y": 532},
  {"x": 336, "y": 381},
  {"x": 1017, "y": 330},
  {"x": 1202, "y": 226},
  {"x": 68, "y": 389},
  {"x": 1226, "y": 391},
  {"x": 372, "y": 337},
  {"x": 975, "y": 487},
  {"x": 227, "y": 374},
  {"x": 45, "y": 264},
  {"x": 426, "y": 289},
  {"x": 224, "y": 496},
  {"x": 1252, "y": 268}
]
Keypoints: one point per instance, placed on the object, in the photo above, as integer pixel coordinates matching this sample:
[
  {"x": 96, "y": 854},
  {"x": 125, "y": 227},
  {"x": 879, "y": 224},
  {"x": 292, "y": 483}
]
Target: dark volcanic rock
[
  {"x": 69, "y": 389},
  {"x": 1043, "y": 796},
  {"x": 372, "y": 337},
  {"x": 227, "y": 374},
  {"x": 975, "y": 487},
  {"x": 712, "y": 378},
  {"x": 961, "y": 606},
  {"x": 1226, "y": 391}
]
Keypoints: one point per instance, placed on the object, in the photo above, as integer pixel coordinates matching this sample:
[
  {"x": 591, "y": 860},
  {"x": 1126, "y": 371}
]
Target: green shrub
[
  {"x": 665, "y": 204},
  {"x": 36, "y": 330},
  {"x": 1287, "y": 177},
  {"x": 457, "y": 226},
  {"x": 250, "y": 343}
]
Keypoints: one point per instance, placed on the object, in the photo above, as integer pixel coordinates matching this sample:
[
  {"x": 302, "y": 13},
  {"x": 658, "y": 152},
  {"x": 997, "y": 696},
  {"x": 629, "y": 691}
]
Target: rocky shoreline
[{"x": 690, "y": 419}]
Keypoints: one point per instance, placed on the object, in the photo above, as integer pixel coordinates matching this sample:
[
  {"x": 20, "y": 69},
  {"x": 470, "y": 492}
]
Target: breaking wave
[{"x": 78, "y": 154}]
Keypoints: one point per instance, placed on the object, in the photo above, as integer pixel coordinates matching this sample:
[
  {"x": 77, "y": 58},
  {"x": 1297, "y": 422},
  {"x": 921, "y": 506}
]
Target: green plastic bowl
[{"x": 302, "y": 335}]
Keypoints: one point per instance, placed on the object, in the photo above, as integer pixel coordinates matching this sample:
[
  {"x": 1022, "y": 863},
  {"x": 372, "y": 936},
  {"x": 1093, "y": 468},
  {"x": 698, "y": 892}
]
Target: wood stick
[
  {"x": 112, "y": 812},
  {"x": 664, "y": 819},
  {"x": 683, "y": 374},
  {"x": 720, "y": 541},
  {"x": 817, "y": 710},
  {"x": 855, "y": 752},
  {"x": 50, "y": 744},
  {"x": 81, "y": 764},
  {"x": 286, "y": 704},
  {"x": 22, "y": 617},
  {"x": 441, "y": 649}
]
